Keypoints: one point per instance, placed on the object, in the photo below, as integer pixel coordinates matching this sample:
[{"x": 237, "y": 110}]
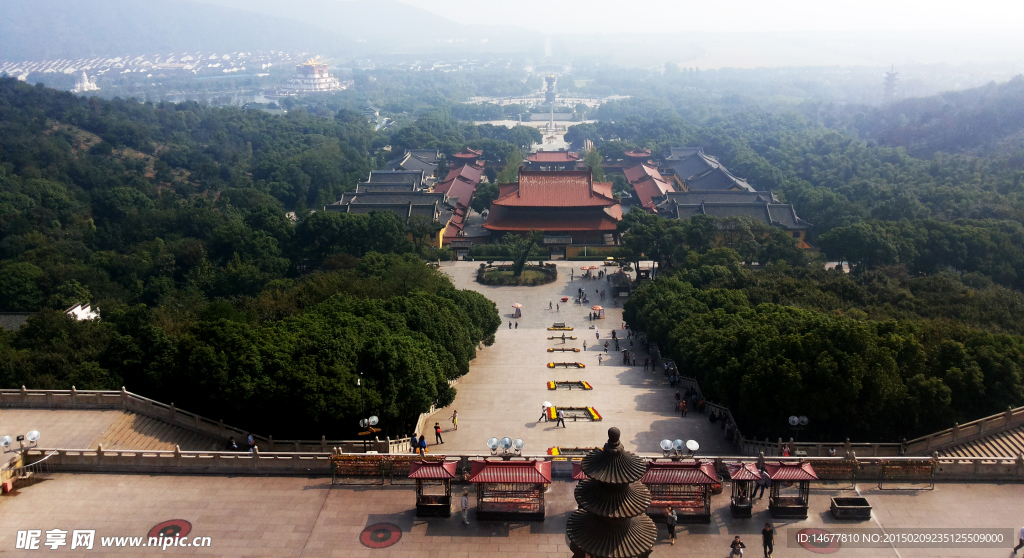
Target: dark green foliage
[{"x": 781, "y": 342}]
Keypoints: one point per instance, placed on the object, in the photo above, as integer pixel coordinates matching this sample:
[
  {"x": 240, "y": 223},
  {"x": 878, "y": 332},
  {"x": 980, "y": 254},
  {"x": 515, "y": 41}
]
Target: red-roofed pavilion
[{"x": 562, "y": 204}]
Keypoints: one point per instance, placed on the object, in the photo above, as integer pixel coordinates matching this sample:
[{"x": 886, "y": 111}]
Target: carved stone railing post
[{"x": 956, "y": 430}]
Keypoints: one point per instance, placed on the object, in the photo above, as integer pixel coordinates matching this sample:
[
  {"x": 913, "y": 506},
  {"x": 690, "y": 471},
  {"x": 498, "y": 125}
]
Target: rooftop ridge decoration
[{"x": 612, "y": 521}]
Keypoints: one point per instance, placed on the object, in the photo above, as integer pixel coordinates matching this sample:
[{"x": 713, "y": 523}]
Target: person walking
[
  {"x": 558, "y": 308},
  {"x": 510, "y": 324},
  {"x": 737, "y": 547},
  {"x": 455, "y": 418},
  {"x": 768, "y": 540},
  {"x": 250, "y": 440},
  {"x": 647, "y": 361},
  {"x": 563, "y": 338},
  {"x": 598, "y": 334},
  {"x": 670, "y": 522},
  {"x": 605, "y": 347},
  {"x": 517, "y": 325},
  {"x": 549, "y": 305},
  {"x": 232, "y": 445},
  {"x": 600, "y": 360},
  {"x": 762, "y": 483},
  {"x": 1020, "y": 541},
  {"x": 561, "y": 418},
  {"x": 543, "y": 414},
  {"x": 634, "y": 360},
  {"x": 423, "y": 445},
  {"x": 437, "y": 434},
  {"x": 465, "y": 507},
  {"x": 584, "y": 345},
  {"x": 414, "y": 443},
  {"x": 682, "y": 407}
]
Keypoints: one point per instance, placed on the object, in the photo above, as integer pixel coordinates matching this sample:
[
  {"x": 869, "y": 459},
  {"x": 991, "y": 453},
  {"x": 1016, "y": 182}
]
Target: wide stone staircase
[{"x": 139, "y": 432}]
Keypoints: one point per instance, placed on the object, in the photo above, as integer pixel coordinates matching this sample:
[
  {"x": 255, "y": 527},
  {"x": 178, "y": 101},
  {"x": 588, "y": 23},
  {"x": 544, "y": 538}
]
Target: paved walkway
[
  {"x": 507, "y": 383},
  {"x": 292, "y": 517}
]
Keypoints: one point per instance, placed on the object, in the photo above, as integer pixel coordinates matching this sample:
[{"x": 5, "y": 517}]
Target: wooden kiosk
[
  {"x": 577, "y": 471},
  {"x": 791, "y": 488},
  {"x": 684, "y": 485},
  {"x": 744, "y": 478},
  {"x": 510, "y": 490},
  {"x": 433, "y": 487}
]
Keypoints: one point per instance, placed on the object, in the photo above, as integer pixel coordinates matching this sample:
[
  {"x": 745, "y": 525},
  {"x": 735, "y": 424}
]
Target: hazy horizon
[{"x": 669, "y": 16}]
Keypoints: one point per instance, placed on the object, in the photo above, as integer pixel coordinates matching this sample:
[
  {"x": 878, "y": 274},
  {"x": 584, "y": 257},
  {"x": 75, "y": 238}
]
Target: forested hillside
[{"x": 171, "y": 220}]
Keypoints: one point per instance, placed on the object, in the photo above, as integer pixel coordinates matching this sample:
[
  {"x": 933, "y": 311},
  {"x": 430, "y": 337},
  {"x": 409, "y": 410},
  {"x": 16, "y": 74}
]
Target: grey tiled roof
[
  {"x": 411, "y": 162},
  {"x": 694, "y": 165},
  {"x": 12, "y": 321},
  {"x": 680, "y": 153},
  {"x": 717, "y": 179},
  {"x": 778, "y": 214},
  {"x": 364, "y": 187},
  {"x": 428, "y": 155},
  {"x": 719, "y": 196},
  {"x": 413, "y": 176}
]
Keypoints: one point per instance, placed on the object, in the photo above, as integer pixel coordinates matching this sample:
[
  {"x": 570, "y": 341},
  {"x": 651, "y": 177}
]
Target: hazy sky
[{"x": 732, "y": 15}]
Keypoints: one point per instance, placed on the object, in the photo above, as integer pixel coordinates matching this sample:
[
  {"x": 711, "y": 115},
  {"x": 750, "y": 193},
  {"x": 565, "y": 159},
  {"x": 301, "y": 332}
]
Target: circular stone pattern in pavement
[
  {"x": 380, "y": 535},
  {"x": 171, "y": 528},
  {"x": 822, "y": 547}
]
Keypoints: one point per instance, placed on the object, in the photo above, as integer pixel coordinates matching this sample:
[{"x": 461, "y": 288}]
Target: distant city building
[{"x": 83, "y": 84}]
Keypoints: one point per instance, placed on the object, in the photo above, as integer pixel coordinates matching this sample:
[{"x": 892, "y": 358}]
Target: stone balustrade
[
  {"x": 868, "y": 469},
  {"x": 128, "y": 401}
]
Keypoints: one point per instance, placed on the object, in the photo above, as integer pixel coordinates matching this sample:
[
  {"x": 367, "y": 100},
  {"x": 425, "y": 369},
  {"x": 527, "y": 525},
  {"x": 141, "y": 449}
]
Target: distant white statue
[{"x": 82, "y": 84}]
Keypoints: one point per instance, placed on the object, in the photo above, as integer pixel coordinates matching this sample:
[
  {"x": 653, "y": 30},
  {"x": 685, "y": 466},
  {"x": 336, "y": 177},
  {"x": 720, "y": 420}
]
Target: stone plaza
[{"x": 295, "y": 515}]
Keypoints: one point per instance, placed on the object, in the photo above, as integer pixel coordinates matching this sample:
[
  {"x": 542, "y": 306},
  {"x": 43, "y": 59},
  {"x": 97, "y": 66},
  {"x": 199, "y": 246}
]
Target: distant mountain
[
  {"x": 49, "y": 29},
  {"x": 388, "y": 26},
  {"x": 982, "y": 120}
]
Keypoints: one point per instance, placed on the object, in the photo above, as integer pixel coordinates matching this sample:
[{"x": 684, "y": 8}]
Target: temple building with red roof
[
  {"x": 648, "y": 185},
  {"x": 552, "y": 161},
  {"x": 567, "y": 206}
]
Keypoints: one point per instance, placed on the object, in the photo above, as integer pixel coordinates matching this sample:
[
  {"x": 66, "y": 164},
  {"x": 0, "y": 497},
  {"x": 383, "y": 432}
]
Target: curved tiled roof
[
  {"x": 742, "y": 471},
  {"x": 554, "y": 157},
  {"x": 717, "y": 179},
  {"x": 553, "y": 219},
  {"x": 432, "y": 470},
  {"x": 680, "y": 472},
  {"x": 610, "y": 537},
  {"x": 555, "y": 189},
  {"x": 533, "y": 472},
  {"x": 791, "y": 471},
  {"x": 612, "y": 500}
]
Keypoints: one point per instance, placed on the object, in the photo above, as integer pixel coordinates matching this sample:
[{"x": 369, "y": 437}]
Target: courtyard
[{"x": 507, "y": 383}]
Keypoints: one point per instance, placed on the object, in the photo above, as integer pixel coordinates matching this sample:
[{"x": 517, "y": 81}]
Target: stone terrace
[
  {"x": 506, "y": 384},
  {"x": 291, "y": 517}
]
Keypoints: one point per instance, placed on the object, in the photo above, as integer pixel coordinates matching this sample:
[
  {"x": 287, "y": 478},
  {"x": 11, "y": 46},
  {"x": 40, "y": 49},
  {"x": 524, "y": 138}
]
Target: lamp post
[
  {"x": 674, "y": 449},
  {"x": 797, "y": 423},
  {"x": 32, "y": 436},
  {"x": 508, "y": 447}
]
